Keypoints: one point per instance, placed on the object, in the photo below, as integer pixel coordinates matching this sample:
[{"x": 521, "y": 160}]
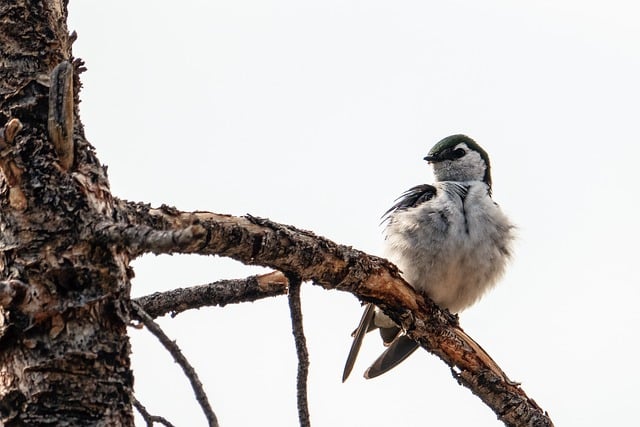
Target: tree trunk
[{"x": 64, "y": 351}]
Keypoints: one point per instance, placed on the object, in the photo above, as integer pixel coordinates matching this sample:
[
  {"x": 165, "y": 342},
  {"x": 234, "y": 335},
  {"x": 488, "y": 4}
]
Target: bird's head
[{"x": 460, "y": 158}]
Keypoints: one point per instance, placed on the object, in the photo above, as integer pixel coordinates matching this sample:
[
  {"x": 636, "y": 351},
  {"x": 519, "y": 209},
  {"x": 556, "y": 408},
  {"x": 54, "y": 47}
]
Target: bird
[{"x": 450, "y": 241}]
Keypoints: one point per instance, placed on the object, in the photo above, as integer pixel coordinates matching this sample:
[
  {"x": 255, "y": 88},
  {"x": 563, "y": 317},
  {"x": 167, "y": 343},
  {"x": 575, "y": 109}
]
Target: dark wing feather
[
  {"x": 400, "y": 349},
  {"x": 411, "y": 198},
  {"x": 365, "y": 326},
  {"x": 389, "y": 334}
]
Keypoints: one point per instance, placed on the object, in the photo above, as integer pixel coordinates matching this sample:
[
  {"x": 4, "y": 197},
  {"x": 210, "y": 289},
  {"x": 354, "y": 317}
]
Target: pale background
[{"x": 317, "y": 114}]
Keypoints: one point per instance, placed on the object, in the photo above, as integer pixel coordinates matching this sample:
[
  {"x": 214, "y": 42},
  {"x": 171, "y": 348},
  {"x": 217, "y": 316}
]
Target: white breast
[{"x": 453, "y": 247}]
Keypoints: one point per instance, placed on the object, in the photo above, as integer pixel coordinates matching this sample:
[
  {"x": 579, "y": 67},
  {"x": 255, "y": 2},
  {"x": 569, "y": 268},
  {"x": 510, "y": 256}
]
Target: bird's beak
[{"x": 431, "y": 159}]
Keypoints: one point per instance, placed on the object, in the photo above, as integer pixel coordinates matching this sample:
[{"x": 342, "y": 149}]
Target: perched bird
[{"x": 450, "y": 240}]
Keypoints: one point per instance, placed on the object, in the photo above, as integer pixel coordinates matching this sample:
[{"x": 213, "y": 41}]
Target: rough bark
[
  {"x": 64, "y": 351},
  {"x": 218, "y": 293}
]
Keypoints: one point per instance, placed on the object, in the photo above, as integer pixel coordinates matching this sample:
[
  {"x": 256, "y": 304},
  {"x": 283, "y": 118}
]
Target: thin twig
[
  {"x": 148, "y": 418},
  {"x": 301, "y": 348},
  {"x": 219, "y": 293},
  {"x": 173, "y": 348}
]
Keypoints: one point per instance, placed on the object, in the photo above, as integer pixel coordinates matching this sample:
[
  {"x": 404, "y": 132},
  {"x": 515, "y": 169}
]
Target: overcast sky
[{"x": 318, "y": 114}]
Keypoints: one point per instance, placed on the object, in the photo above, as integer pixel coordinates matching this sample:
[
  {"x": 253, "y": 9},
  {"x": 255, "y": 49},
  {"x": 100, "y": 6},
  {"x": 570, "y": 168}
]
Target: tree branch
[
  {"x": 312, "y": 258},
  {"x": 295, "y": 308},
  {"x": 173, "y": 348},
  {"x": 148, "y": 418},
  {"x": 218, "y": 293}
]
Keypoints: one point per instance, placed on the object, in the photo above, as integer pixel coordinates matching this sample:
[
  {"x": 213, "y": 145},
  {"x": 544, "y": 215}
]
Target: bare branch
[
  {"x": 218, "y": 293},
  {"x": 179, "y": 358},
  {"x": 142, "y": 239},
  {"x": 295, "y": 308},
  {"x": 148, "y": 418},
  {"x": 262, "y": 242}
]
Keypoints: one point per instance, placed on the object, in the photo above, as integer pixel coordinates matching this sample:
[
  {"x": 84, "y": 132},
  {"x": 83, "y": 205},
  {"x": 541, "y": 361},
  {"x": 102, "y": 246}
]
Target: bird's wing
[
  {"x": 411, "y": 198},
  {"x": 366, "y": 325},
  {"x": 400, "y": 349}
]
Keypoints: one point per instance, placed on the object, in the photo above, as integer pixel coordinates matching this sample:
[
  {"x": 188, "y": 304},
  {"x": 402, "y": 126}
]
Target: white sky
[{"x": 318, "y": 114}]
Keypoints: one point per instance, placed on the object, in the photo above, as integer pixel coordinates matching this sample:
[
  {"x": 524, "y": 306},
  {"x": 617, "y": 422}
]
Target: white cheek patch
[
  {"x": 470, "y": 167},
  {"x": 474, "y": 164}
]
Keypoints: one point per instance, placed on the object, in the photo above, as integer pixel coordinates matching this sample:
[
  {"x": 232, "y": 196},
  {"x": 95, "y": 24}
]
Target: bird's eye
[{"x": 459, "y": 152}]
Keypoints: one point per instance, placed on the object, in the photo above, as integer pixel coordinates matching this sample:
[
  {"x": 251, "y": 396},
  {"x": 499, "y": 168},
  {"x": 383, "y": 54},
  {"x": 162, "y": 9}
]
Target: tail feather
[
  {"x": 400, "y": 349},
  {"x": 366, "y": 325}
]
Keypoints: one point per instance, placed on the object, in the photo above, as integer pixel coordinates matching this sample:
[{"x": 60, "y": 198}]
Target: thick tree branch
[
  {"x": 219, "y": 293},
  {"x": 312, "y": 258},
  {"x": 173, "y": 348}
]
